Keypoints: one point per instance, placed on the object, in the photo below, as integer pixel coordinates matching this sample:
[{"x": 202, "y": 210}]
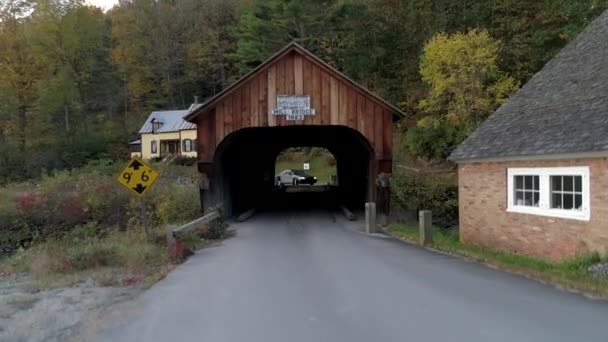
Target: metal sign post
[{"x": 138, "y": 177}]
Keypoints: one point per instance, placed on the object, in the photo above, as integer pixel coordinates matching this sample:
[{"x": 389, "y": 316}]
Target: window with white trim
[
  {"x": 555, "y": 191},
  {"x": 527, "y": 190}
]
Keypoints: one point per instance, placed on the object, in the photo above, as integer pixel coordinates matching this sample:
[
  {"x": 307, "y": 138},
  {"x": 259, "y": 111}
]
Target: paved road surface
[{"x": 303, "y": 277}]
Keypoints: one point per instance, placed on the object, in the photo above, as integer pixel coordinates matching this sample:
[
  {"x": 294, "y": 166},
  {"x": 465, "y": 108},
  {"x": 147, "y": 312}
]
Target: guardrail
[
  {"x": 177, "y": 251},
  {"x": 196, "y": 223}
]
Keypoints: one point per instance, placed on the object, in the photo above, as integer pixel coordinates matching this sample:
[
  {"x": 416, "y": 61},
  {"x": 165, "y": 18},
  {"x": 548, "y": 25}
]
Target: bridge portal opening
[
  {"x": 247, "y": 162},
  {"x": 305, "y": 168}
]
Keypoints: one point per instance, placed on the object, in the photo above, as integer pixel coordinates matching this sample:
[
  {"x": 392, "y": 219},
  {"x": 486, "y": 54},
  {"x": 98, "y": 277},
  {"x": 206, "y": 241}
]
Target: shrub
[
  {"x": 433, "y": 139},
  {"x": 214, "y": 231},
  {"x": 89, "y": 196},
  {"x": 185, "y": 161},
  {"x": 167, "y": 203},
  {"x": 422, "y": 191},
  {"x": 74, "y": 252}
]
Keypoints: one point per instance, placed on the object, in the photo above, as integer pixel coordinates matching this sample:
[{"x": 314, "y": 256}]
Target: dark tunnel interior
[{"x": 245, "y": 162}]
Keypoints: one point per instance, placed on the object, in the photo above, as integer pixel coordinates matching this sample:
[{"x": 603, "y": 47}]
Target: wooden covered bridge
[{"x": 293, "y": 99}]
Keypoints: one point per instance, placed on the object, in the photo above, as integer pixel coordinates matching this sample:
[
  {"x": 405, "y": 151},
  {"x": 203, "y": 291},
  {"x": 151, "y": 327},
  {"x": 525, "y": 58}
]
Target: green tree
[{"x": 267, "y": 25}]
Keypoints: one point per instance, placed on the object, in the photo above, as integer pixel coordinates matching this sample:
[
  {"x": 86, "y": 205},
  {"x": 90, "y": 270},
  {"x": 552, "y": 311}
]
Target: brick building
[{"x": 533, "y": 179}]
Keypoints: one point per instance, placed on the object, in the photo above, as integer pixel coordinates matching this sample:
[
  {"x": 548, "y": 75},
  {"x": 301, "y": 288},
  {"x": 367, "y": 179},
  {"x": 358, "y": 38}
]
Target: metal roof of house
[
  {"x": 562, "y": 110},
  {"x": 172, "y": 121},
  {"x": 135, "y": 142}
]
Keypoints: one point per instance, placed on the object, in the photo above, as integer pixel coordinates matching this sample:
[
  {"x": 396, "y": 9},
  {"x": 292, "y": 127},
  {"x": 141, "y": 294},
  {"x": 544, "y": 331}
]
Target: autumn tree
[
  {"x": 19, "y": 72},
  {"x": 465, "y": 87}
]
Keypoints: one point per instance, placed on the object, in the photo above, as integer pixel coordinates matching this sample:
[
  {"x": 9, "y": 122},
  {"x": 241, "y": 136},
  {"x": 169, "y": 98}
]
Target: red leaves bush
[{"x": 27, "y": 201}]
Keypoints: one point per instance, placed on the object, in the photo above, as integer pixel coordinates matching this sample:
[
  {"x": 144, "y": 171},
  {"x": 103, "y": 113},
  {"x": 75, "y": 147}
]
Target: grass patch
[
  {"x": 572, "y": 274},
  {"x": 109, "y": 260}
]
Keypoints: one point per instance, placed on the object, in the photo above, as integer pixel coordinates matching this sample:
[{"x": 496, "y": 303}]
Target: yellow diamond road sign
[{"x": 137, "y": 176}]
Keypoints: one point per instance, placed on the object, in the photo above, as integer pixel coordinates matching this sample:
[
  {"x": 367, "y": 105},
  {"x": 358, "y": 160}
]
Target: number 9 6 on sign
[{"x": 137, "y": 176}]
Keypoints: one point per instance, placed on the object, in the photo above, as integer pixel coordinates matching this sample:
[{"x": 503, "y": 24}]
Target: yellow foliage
[{"x": 465, "y": 82}]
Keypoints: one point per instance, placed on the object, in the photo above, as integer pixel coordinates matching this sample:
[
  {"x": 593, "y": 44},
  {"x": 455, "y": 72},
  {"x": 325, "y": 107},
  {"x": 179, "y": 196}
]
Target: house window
[
  {"x": 153, "y": 147},
  {"x": 188, "y": 145},
  {"x": 527, "y": 190},
  {"x": 567, "y": 192},
  {"x": 557, "y": 192}
]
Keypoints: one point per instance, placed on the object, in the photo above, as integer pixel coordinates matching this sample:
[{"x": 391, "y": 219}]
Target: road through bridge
[{"x": 311, "y": 276}]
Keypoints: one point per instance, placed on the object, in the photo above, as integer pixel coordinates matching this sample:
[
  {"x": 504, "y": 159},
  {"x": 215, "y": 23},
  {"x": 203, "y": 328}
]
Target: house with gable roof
[
  {"x": 533, "y": 178},
  {"x": 166, "y": 133}
]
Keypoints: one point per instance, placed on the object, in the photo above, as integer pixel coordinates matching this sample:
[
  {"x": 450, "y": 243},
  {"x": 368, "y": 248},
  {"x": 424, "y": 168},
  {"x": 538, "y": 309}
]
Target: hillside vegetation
[{"x": 76, "y": 82}]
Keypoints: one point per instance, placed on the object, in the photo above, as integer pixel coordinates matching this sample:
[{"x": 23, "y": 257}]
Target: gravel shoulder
[{"x": 57, "y": 314}]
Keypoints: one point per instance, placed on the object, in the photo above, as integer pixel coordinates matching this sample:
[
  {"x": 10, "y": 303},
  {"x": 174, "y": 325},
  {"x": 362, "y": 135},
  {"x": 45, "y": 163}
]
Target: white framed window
[{"x": 550, "y": 191}]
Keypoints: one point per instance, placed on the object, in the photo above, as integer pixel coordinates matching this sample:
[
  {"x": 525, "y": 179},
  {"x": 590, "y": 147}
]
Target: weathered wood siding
[{"x": 335, "y": 100}]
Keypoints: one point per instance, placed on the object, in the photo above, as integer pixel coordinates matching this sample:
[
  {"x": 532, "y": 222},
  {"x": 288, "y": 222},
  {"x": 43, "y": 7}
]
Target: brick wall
[{"x": 484, "y": 219}]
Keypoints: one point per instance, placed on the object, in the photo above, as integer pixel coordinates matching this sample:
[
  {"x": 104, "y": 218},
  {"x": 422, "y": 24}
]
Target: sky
[{"x": 104, "y": 4}]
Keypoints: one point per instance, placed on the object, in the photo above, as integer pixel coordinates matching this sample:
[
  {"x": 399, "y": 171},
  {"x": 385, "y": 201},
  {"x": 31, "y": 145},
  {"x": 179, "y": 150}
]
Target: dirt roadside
[{"x": 58, "y": 314}]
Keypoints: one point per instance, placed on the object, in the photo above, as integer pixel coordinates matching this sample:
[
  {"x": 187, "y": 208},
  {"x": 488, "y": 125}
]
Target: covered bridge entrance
[{"x": 292, "y": 99}]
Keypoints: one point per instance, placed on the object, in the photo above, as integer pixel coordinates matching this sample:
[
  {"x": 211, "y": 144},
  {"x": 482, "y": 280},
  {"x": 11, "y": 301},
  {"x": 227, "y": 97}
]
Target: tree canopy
[{"x": 76, "y": 82}]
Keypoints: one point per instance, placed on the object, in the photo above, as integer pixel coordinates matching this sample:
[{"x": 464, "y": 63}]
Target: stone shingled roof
[{"x": 563, "y": 109}]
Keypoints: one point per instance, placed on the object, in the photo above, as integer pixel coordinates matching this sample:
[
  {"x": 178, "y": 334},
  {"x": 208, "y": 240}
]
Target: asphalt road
[{"x": 303, "y": 277}]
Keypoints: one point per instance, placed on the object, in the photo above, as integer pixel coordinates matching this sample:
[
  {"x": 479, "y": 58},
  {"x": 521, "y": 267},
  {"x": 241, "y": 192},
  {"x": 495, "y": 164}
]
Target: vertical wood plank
[
  {"x": 290, "y": 74},
  {"x": 245, "y": 105},
  {"x": 298, "y": 75},
  {"x": 272, "y": 94},
  {"x": 281, "y": 86},
  {"x": 317, "y": 94},
  {"x": 352, "y": 108},
  {"x": 219, "y": 123},
  {"x": 334, "y": 101},
  {"x": 326, "y": 89},
  {"x": 200, "y": 149},
  {"x": 236, "y": 109},
  {"x": 361, "y": 113},
  {"x": 343, "y": 107},
  {"x": 228, "y": 127},
  {"x": 297, "y": 80},
  {"x": 206, "y": 137},
  {"x": 290, "y": 81},
  {"x": 263, "y": 99},
  {"x": 388, "y": 134},
  {"x": 378, "y": 131},
  {"x": 369, "y": 121},
  {"x": 308, "y": 88},
  {"x": 253, "y": 102}
]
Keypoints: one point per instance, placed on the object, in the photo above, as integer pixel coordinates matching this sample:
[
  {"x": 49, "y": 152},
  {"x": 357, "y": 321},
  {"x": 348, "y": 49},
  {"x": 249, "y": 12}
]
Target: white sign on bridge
[{"x": 294, "y": 107}]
